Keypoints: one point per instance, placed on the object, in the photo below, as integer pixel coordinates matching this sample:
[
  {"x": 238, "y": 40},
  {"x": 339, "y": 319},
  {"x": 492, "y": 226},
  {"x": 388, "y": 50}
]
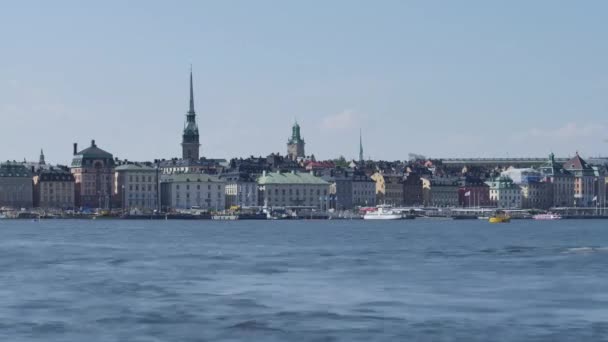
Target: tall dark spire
[
  {"x": 360, "y": 146},
  {"x": 41, "y": 161},
  {"x": 190, "y": 138},
  {"x": 191, "y": 110}
]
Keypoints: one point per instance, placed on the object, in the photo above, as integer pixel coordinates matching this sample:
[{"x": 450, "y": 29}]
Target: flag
[
  {"x": 468, "y": 193},
  {"x": 595, "y": 199}
]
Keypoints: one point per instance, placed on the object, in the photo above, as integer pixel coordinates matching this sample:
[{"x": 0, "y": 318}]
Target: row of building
[{"x": 96, "y": 179}]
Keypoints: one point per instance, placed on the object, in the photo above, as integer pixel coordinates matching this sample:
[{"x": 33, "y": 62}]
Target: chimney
[
  {"x": 93, "y": 143},
  {"x": 75, "y": 148}
]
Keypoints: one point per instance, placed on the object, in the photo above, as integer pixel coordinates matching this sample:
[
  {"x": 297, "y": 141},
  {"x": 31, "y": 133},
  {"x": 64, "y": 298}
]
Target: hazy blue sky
[{"x": 440, "y": 78}]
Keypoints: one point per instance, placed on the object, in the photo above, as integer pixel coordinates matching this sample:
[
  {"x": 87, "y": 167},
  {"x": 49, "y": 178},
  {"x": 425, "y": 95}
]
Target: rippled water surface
[{"x": 410, "y": 280}]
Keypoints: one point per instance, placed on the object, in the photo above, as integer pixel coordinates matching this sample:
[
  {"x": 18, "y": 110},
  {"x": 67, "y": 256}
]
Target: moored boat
[
  {"x": 499, "y": 217},
  {"x": 547, "y": 216},
  {"x": 382, "y": 214}
]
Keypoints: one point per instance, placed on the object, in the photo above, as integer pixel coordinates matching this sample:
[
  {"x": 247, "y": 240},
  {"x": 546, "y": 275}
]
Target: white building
[
  {"x": 504, "y": 193},
  {"x": 291, "y": 189},
  {"x": 241, "y": 189},
  {"x": 192, "y": 190},
  {"x": 136, "y": 187}
]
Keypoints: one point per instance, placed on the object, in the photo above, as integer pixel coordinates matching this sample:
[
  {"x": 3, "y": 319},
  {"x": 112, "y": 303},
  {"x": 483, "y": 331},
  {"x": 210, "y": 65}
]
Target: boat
[
  {"x": 382, "y": 214},
  {"x": 547, "y": 216},
  {"x": 499, "y": 217}
]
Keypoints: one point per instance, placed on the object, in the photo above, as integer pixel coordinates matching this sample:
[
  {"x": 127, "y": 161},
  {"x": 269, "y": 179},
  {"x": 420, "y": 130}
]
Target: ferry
[
  {"x": 547, "y": 216},
  {"x": 382, "y": 214},
  {"x": 499, "y": 217}
]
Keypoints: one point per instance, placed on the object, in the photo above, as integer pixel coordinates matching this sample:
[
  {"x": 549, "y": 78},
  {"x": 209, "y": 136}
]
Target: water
[{"x": 303, "y": 281}]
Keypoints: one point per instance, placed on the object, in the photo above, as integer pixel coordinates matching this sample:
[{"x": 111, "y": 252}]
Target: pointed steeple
[
  {"x": 191, "y": 110},
  {"x": 41, "y": 161},
  {"x": 190, "y": 138},
  {"x": 360, "y": 146}
]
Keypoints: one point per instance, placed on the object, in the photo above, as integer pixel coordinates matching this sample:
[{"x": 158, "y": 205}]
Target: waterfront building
[
  {"x": 536, "y": 194},
  {"x": 93, "y": 170},
  {"x": 190, "y": 137},
  {"x": 16, "y": 189},
  {"x": 412, "y": 189},
  {"x": 389, "y": 188},
  {"x": 599, "y": 186},
  {"x": 473, "y": 192},
  {"x": 54, "y": 188},
  {"x": 295, "y": 144},
  {"x": 192, "y": 190},
  {"x": 562, "y": 182},
  {"x": 584, "y": 181},
  {"x": 504, "y": 193},
  {"x": 293, "y": 189},
  {"x": 440, "y": 192},
  {"x": 350, "y": 188},
  {"x": 136, "y": 187},
  {"x": 241, "y": 189}
]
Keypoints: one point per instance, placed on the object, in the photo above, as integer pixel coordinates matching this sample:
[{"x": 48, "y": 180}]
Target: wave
[{"x": 585, "y": 250}]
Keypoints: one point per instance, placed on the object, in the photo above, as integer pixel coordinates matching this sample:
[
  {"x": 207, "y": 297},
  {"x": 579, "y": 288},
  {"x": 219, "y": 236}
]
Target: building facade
[
  {"x": 389, "y": 188},
  {"x": 293, "y": 189},
  {"x": 241, "y": 189},
  {"x": 192, "y": 191},
  {"x": 412, "y": 190},
  {"x": 295, "y": 144},
  {"x": 504, "y": 193},
  {"x": 350, "y": 188},
  {"x": 440, "y": 192},
  {"x": 54, "y": 188},
  {"x": 561, "y": 180},
  {"x": 137, "y": 187},
  {"x": 16, "y": 188},
  {"x": 93, "y": 170},
  {"x": 584, "y": 181},
  {"x": 473, "y": 192},
  {"x": 536, "y": 195}
]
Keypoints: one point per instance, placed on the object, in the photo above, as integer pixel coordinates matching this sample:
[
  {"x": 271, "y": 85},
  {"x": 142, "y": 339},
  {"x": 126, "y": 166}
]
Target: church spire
[
  {"x": 360, "y": 146},
  {"x": 41, "y": 161},
  {"x": 190, "y": 138},
  {"x": 191, "y": 110}
]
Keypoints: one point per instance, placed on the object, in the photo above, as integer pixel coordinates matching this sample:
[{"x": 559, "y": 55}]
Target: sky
[{"x": 437, "y": 78}]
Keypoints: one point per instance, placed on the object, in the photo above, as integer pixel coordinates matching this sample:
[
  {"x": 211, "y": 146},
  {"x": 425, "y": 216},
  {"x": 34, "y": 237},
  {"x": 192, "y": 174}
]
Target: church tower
[
  {"x": 295, "y": 144},
  {"x": 41, "y": 160},
  {"x": 190, "y": 142}
]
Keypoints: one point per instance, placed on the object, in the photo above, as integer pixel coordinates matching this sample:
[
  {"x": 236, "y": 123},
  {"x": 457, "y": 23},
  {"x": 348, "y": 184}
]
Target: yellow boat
[{"x": 499, "y": 217}]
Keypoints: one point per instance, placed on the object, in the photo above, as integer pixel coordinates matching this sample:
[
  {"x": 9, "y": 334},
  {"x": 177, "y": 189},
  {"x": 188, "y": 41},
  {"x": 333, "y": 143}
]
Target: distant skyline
[{"x": 440, "y": 79}]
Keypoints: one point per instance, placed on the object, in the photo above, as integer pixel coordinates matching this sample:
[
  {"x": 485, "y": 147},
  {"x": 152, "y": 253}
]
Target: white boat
[
  {"x": 548, "y": 216},
  {"x": 382, "y": 214}
]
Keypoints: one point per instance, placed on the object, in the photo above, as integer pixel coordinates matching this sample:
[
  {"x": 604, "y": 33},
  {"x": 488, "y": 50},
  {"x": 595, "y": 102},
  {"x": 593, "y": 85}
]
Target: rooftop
[{"x": 290, "y": 178}]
